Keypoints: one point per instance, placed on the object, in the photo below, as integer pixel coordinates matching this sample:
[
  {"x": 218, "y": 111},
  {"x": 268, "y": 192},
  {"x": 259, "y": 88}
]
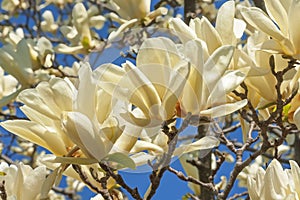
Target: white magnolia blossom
[
  {"x": 284, "y": 32},
  {"x": 132, "y": 13},
  {"x": 80, "y": 34},
  {"x": 8, "y": 87},
  {"x": 13, "y": 5},
  {"x": 48, "y": 24},
  {"x": 275, "y": 182},
  {"x": 21, "y": 181}
]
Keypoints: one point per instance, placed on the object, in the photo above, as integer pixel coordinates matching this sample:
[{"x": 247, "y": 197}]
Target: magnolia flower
[
  {"x": 80, "y": 35},
  {"x": 209, "y": 82},
  {"x": 227, "y": 31},
  {"x": 12, "y": 5},
  {"x": 21, "y": 181},
  {"x": 48, "y": 24},
  {"x": 137, "y": 9},
  {"x": 132, "y": 13},
  {"x": 11, "y": 36},
  {"x": 44, "y": 106},
  {"x": 154, "y": 85},
  {"x": 8, "y": 87},
  {"x": 284, "y": 32},
  {"x": 18, "y": 62},
  {"x": 275, "y": 183},
  {"x": 59, "y": 3},
  {"x": 91, "y": 125}
]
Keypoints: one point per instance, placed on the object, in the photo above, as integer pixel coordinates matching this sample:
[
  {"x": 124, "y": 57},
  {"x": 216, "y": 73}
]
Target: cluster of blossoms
[{"x": 94, "y": 121}]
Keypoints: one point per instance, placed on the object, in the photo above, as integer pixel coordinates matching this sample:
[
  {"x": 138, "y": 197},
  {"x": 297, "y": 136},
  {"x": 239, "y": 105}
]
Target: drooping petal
[
  {"x": 258, "y": 19},
  {"x": 225, "y": 109},
  {"x": 278, "y": 14},
  {"x": 207, "y": 142},
  {"x": 37, "y": 134},
  {"x": 226, "y": 84}
]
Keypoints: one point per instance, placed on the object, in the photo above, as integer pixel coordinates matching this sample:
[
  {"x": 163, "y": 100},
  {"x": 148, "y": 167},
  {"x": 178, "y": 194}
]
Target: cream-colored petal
[
  {"x": 190, "y": 170},
  {"x": 295, "y": 171},
  {"x": 205, "y": 143},
  {"x": 86, "y": 98},
  {"x": 239, "y": 27},
  {"x": 33, "y": 181},
  {"x": 224, "y": 22},
  {"x": 229, "y": 82},
  {"x": 62, "y": 48},
  {"x": 293, "y": 15},
  {"x": 31, "y": 98},
  {"x": 216, "y": 65},
  {"x": 278, "y": 14},
  {"x": 259, "y": 20},
  {"x": 133, "y": 8},
  {"x": 97, "y": 21},
  {"x": 183, "y": 31},
  {"x": 159, "y": 50},
  {"x": 141, "y": 146},
  {"x": 178, "y": 79},
  {"x": 275, "y": 181},
  {"x": 208, "y": 33},
  {"x": 144, "y": 93},
  {"x": 296, "y": 118},
  {"x": 37, "y": 134},
  {"x": 225, "y": 109},
  {"x": 81, "y": 131}
]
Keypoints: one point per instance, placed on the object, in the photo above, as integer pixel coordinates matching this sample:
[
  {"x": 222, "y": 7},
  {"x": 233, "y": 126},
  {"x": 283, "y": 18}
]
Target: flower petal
[
  {"x": 225, "y": 109},
  {"x": 205, "y": 143}
]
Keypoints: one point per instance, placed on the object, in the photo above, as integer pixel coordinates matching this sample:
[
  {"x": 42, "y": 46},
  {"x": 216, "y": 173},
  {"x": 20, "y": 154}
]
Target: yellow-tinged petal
[
  {"x": 208, "y": 33},
  {"x": 294, "y": 31},
  {"x": 278, "y": 14},
  {"x": 216, "y": 65},
  {"x": 259, "y": 20},
  {"x": 37, "y": 134},
  {"x": 205, "y": 143},
  {"x": 133, "y": 8},
  {"x": 183, "y": 31},
  {"x": 175, "y": 87},
  {"x": 190, "y": 170},
  {"x": 224, "y": 22},
  {"x": 297, "y": 118},
  {"x": 81, "y": 131},
  {"x": 229, "y": 82},
  {"x": 144, "y": 93},
  {"x": 225, "y": 109},
  {"x": 295, "y": 171},
  {"x": 162, "y": 51},
  {"x": 276, "y": 180},
  {"x": 141, "y": 145}
]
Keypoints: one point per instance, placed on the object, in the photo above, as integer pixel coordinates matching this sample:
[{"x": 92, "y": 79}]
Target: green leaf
[
  {"x": 122, "y": 159},
  {"x": 71, "y": 160}
]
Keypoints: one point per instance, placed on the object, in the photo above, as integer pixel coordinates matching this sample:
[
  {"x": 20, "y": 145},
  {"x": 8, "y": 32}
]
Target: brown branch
[
  {"x": 119, "y": 179},
  {"x": 191, "y": 179},
  {"x": 84, "y": 178},
  {"x": 3, "y": 194}
]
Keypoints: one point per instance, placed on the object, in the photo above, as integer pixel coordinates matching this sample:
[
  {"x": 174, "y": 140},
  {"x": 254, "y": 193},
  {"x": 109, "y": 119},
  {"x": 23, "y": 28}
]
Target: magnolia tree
[{"x": 93, "y": 88}]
